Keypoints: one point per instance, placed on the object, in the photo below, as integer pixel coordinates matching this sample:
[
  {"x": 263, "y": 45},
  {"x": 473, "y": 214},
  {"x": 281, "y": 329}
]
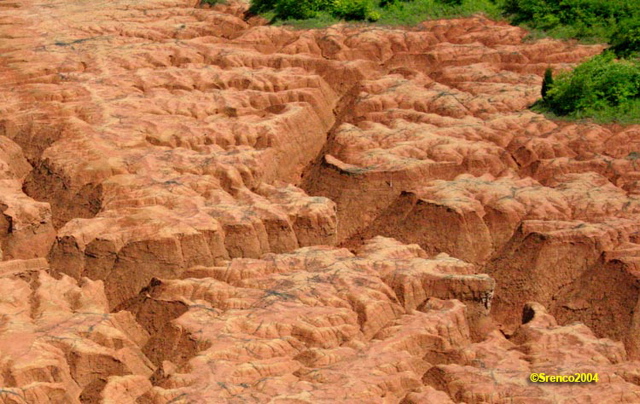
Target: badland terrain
[{"x": 199, "y": 207}]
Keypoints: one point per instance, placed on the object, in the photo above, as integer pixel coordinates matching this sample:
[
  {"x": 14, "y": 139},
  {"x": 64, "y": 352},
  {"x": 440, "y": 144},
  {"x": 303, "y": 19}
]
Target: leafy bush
[
  {"x": 603, "y": 87},
  {"x": 393, "y": 12},
  {"x": 299, "y": 9},
  {"x": 306, "y": 9},
  {"x": 625, "y": 41},
  {"x": 547, "y": 83},
  {"x": 582, "y": 19},
  {"x": 262, "y": 6},
  {"x": 540, "y": 13},
  {"x": 352, "y": 9}
]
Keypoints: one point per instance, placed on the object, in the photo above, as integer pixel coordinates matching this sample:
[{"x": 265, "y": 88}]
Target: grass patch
[
  {"x": 629, "y": 115},
  {"x": 321, "y": 20},
  {"x": 212, "y": 2},
  {"x": 590, "y": 21},
  {"x": 412, "y": 13},
  {"x": 394, "y": 13}
]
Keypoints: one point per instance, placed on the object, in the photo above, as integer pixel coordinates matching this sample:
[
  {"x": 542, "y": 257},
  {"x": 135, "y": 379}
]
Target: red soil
[{"x": 197, "y": 207}]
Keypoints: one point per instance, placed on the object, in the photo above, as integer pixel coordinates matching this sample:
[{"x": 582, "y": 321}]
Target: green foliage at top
[
  {"x": 354, "y": 9},
  {"x": 547, "y": 83},
  {"x": 625, "y": 40},
  {"x": 614, "y": 21},
  {"x": 592, "y": 20},
  {"x": 306, "y": 9},
  {"x": 412, "y": 12},
  {"x": 603, "y": 88},
  {"x": 213, "y": 2},
  {"x": 316, "y": 13}
]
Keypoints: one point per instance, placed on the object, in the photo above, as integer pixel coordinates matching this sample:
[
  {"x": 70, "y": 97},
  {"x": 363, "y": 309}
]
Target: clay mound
[
  {"x": 608, "y": 310},
  {"x": 365, "y": 326},
  {"x": 26, "y": 228},
  {"x": 468, "y": 217},
  {"x": 59, "y": 342},
  {"x": 164, "y": 228},
  {"x": 498, "y": 370},
  {"x": 475, "y": 217},
  {"x": 575, "y": 249}
]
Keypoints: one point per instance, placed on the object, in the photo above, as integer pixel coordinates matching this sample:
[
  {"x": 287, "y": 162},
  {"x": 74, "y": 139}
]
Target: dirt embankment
[{"x": 198, "y": 207}]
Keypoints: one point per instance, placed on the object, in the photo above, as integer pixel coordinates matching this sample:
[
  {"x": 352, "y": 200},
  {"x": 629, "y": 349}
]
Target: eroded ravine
[{"x": 198, "y": 207}]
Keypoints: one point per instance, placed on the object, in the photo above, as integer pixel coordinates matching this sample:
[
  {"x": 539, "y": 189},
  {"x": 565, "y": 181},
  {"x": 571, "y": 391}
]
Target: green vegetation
[
  {"x": 588, "y": 20},
  {"x": 547, "y": 82},
  {"x": 615, "y": 21},
  {"x": 602, "y": 88},
  {"x": 309, "y": 9},
  {"x": 409, "y": 13},
  {"x": 319, "y": 13},
  {"x": 212, "y": 2},
  {"x": 625, "y": 40}
]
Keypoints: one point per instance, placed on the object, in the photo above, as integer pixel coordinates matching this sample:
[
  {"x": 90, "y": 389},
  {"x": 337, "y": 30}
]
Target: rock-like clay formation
[
  {"x": 59, "y": 343},
  {"x": 313, "y": 325},
  {"x": 197, "y": 207}
]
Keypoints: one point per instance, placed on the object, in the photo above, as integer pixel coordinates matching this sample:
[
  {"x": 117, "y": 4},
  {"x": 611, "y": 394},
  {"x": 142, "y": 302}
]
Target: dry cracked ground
[{"x": 196, "y": 207}]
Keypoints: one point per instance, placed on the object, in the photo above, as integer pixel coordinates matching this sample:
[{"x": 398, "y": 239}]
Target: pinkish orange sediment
[{"x": 198, "y": 207}]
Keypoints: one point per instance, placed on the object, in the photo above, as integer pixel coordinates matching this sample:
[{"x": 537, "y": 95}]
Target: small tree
[
  {"x": 547, "y": 82},
  {"x": 300, "y": 9},
  {"x": 352, "y": 9},
  {"x": 625, "y": 41}
]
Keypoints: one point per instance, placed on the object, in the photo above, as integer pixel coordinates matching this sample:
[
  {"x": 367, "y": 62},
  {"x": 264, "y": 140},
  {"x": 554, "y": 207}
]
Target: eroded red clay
[{"x": 197, "y": 207}]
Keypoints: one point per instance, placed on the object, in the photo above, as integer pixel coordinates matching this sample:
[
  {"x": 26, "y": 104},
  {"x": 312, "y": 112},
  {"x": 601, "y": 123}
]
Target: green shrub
[
  {"x": 602, "y": 87},
  {"x": 298, "y": 9},
  {"x": 262, "y": 6},
  {"x": 625, "y": 41},
  {"x": 538, "y": 13},
  {"x": 405, "y": 12},
  {"x": 582, "y": 19},
  {"x": 547, "y": 83},
  {"x": 308, "y": 9},
  {"x": 352, "y": 9}
]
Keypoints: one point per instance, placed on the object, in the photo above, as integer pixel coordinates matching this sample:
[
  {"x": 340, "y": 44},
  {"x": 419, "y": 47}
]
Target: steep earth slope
[{"x": 199, "y": 207}]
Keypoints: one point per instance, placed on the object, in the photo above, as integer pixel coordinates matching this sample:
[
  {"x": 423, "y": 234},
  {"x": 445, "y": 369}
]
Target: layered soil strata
[{"x": 196, "y": 206}]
